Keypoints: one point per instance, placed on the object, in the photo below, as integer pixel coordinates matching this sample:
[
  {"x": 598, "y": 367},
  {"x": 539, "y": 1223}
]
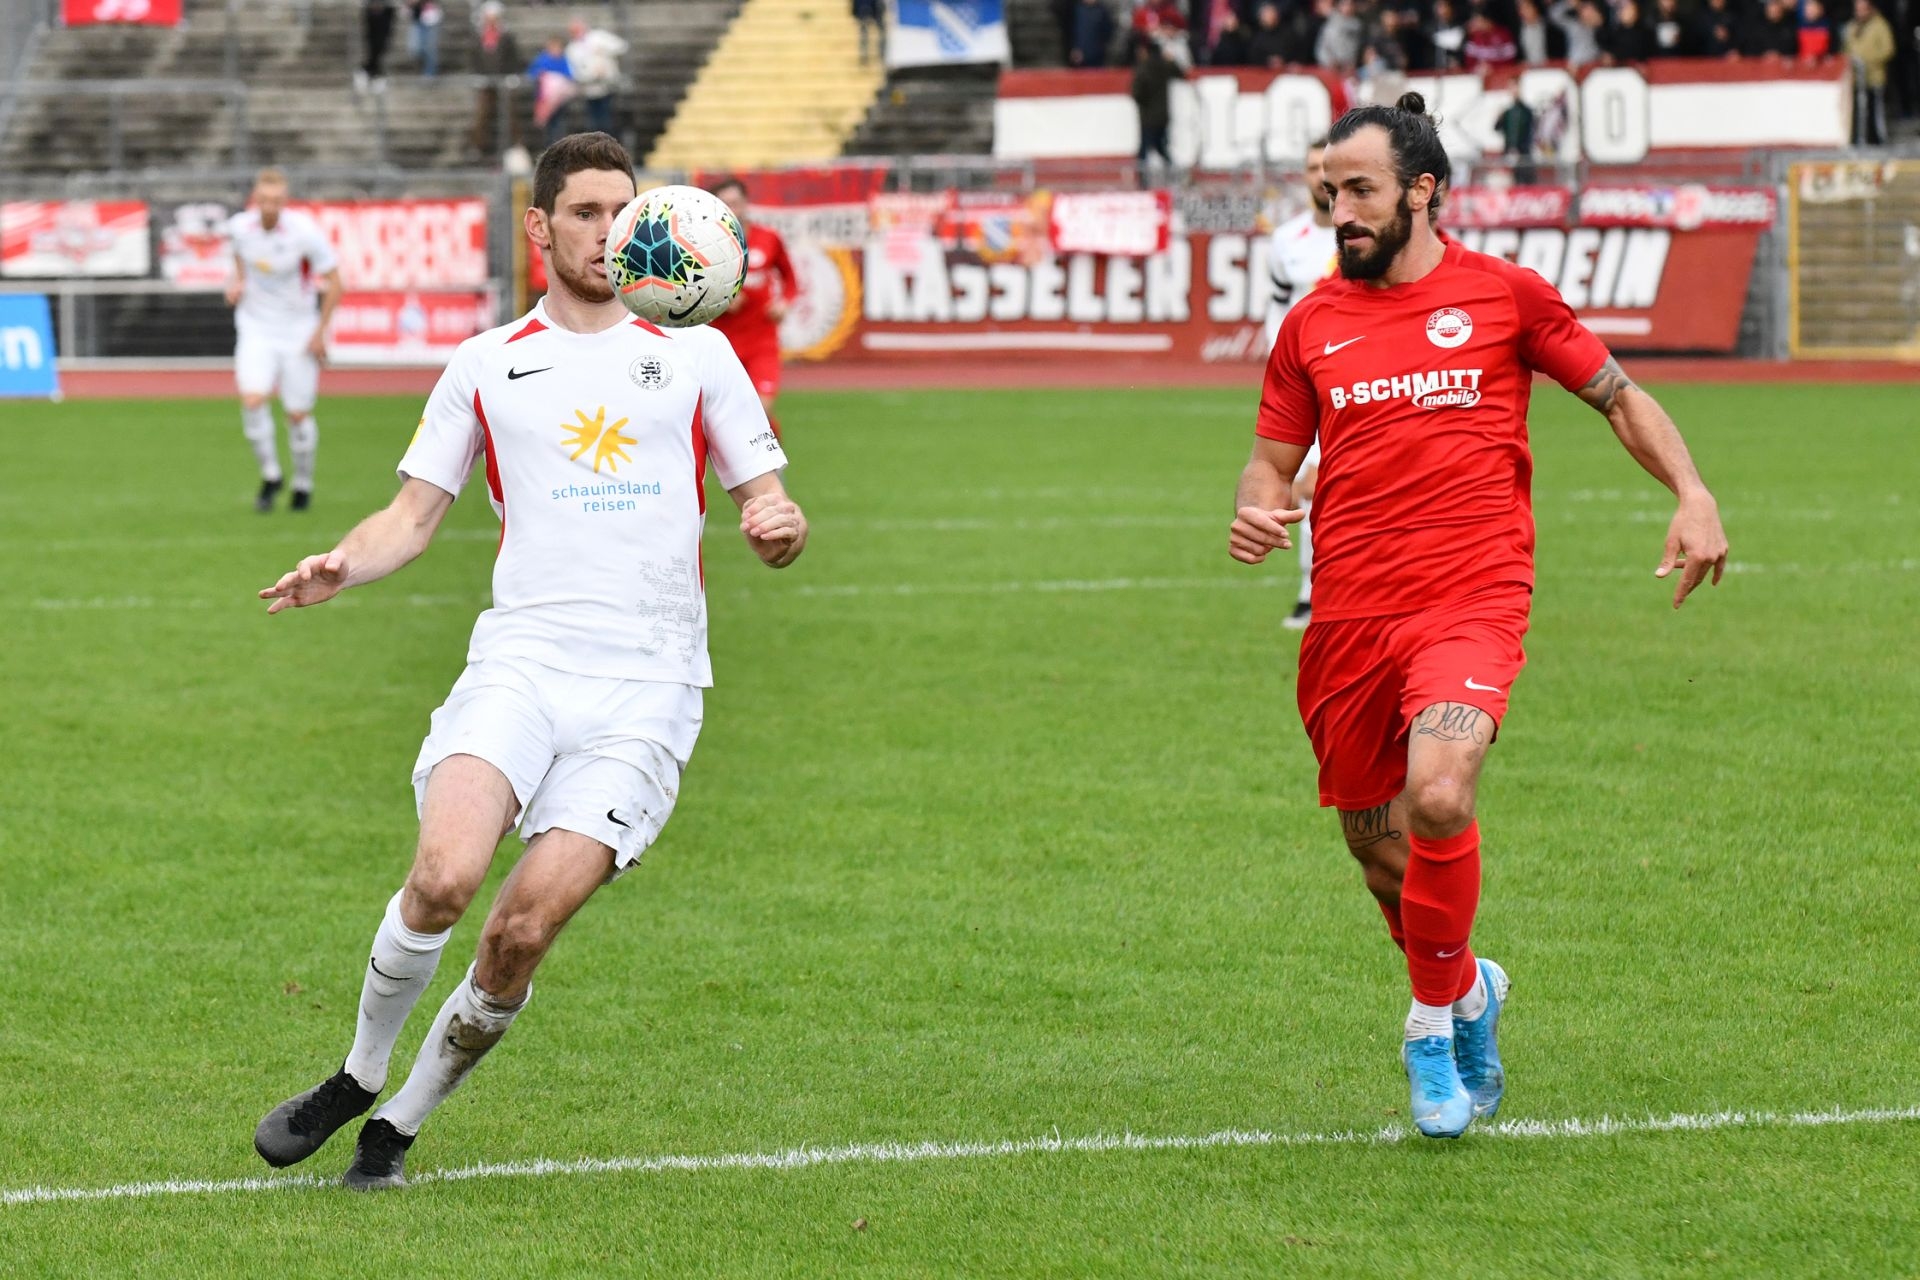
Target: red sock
[
  {"x": 1437, "y": 901},
  {"x": 1392, "y": 913}
]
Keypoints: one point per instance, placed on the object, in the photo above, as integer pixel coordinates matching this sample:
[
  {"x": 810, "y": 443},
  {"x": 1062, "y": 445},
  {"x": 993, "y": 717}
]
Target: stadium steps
[
  {"x": 1034, "y": 35},
  {"x": 301, "y": 106},
  {"x": 930, "y": 111},
  {"x": 784, "y": 85}
]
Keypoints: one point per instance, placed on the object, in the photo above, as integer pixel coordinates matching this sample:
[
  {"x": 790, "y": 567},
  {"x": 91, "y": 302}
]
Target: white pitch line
[
  {"x": 843, "y": 590},
  {"x": 922, "y": 1152}
]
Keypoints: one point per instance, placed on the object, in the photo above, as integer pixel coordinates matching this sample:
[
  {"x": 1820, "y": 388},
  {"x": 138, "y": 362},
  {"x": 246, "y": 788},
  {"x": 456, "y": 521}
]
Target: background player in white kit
[
  {"x": 280, "y": 326},
  {"x": 285, "y": 288},
  {"x": 1301, "y": 253},
  {"x": 581, "y": 699}
]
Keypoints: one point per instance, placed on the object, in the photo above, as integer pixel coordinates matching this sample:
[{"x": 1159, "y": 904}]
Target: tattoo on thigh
[
  {"x": 1454, "y": 722},
  {"x": 1365, "y": 828}
]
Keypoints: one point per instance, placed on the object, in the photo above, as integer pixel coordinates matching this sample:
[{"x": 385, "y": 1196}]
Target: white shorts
[
  {"x": 263, "y": 363},
  {"x": 590, "y": 754}
]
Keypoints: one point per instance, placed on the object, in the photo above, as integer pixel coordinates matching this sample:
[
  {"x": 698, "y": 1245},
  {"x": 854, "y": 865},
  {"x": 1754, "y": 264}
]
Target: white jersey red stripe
[{"x": 599, "y": 443}]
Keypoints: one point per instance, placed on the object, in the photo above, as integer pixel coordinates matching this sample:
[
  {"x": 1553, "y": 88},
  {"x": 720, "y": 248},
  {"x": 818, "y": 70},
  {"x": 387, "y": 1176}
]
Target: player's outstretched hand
[
  {"x": 1258, "y": 530},
  {"x": 775, "y": 528},
  {"x": 313, "y": 581},
  {"x": 233, "y": 292},
  {"x": 1695, "y": 544},
  {"x": 317, "y": 348}
]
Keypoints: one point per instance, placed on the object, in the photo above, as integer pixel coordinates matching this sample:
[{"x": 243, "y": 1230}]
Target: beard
[
  {"x": 581, "y": 282},
  {"x": 1320, "y": 200},
  {"x": 1373, "y": 262}
]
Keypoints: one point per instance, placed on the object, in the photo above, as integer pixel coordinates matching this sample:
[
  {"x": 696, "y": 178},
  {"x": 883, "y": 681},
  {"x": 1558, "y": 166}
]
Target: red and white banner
[
  {"x": 1609, "y": 115},
  {"x": 1507, "y": 206},
  {"x": 1132, "y": 224},
  {"x": 399, "y": 327},
  {"x": 407, "y": 244},
  {"x": 74, "y": 238},
  {"x": 1204, "y": 297},
  {"x": 1691, "y": 207},
  {"x": 89, "y": 13}
]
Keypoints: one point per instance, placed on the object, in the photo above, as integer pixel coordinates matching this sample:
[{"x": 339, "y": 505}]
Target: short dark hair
[
  {"x": 1318, "y": 144},
  {"x": 575, "y": 153},
  {"x": 725, "y": 182},
  {"x": 1412, "y": 135}
]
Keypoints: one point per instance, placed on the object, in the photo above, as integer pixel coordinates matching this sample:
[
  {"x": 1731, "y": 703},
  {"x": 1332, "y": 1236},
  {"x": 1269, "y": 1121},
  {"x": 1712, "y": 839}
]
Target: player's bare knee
[
  {"x": 298, "y": 417},
  {"x": 436, "y": 894},
  {"x": 252, "y": 402},
  {"x": 1439, "y": 806},
  {"x": 515, "y": 941}
]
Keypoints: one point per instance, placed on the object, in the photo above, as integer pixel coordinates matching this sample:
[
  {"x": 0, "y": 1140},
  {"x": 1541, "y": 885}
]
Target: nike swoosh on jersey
[
  {"x": 1484, "y": 688},
  {"x": 1332, "y": 347},
  {"x": 525, "y": 373},
  {"x": 613, "y": 819}
]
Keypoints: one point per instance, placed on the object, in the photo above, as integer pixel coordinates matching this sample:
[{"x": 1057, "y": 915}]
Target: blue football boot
[
  {"x": 1442, "y": 1107},
  {"x": 1475, "y": 1048}
]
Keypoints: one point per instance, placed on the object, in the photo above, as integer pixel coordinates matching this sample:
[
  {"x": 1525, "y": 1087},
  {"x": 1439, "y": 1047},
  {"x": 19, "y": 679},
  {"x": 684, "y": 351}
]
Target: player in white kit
[
  {"x": 1301, "y": 253},
  {"x": 581, "y": 699},
  {"x": 285, "y": 286}
]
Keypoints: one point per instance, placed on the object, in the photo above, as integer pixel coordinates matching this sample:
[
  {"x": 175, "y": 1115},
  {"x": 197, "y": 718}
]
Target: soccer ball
[{"x": 676, "y": 256}]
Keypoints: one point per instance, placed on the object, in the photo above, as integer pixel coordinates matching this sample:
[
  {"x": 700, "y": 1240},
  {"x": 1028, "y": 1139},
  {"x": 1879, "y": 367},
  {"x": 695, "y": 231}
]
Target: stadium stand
[
  {"x": 271, "y": 83},
  {"x": 785, "y": 84}
]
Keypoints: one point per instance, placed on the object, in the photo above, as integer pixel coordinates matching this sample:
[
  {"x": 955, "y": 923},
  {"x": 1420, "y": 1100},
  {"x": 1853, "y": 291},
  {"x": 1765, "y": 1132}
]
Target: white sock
[
  {"x": 1474, "y": 1003},
  {"x": 303, "y": 442},
  {"x": 1303, "y": 538},
  {"x": 399, "y": 969},
  {"x": 470, "y": 1023},
  {"x": 257, "y": 424},
  {"x": 1430, "y": 1020}
]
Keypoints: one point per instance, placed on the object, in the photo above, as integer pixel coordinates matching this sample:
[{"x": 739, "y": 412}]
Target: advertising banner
[
  {"x": 398, "y": 327},
  {"x": 91, "y": 13},
  {"x": 55, "y": 238},
  {"x": 1224, "y": 118},
  {"x": 26, "y": 347},
  {"x": 1203, "y": 298},
  {"x": 929, "y": 33}
]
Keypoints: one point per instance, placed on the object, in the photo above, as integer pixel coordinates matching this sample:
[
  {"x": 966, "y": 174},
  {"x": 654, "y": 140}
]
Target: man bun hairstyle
[
  {"x": 575, "y": 153},
  {"x": 1413, "y": 137}
]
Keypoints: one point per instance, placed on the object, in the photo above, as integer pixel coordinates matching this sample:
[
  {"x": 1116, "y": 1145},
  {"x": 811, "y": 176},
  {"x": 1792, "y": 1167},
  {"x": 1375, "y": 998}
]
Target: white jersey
[
  {"x": 278, "y": 272},
  {"x": 1300, "y": 254},
  {"x": 595, "y": 447}
]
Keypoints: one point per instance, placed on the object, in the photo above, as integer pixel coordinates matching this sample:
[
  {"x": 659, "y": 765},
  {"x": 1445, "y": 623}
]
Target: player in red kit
[
  {"x": 1413, "y": 371},
  {"x": 752, "y": 324}
]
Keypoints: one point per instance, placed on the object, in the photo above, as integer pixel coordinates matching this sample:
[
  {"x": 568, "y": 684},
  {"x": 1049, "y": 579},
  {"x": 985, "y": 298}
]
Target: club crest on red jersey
[{"x": 1449, "y": 327}]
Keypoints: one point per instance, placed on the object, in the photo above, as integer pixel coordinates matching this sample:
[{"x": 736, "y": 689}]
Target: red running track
[{"x": 161, "y": 382}]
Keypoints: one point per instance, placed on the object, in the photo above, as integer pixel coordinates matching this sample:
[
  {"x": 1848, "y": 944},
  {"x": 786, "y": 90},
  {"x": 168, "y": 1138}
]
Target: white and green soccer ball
[{"x": 676, "y": 256}]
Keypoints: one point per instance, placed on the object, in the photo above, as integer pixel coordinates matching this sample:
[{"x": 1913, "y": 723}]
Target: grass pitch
[{"x": 1002, "y": 826}]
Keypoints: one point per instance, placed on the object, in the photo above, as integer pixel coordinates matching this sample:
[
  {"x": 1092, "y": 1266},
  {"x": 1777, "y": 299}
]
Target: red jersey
[
  {"x": 769, "y": 276},
  {"x": 1418, "y": 394}
]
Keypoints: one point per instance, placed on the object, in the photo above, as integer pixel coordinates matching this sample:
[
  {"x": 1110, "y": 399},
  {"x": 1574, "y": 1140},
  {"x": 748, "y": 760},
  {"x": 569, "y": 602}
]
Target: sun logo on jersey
[{"x": 606, "y": 442}]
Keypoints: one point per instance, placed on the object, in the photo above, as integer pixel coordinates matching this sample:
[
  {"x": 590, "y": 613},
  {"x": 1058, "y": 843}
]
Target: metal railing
[{"x": 115, "y": 93}]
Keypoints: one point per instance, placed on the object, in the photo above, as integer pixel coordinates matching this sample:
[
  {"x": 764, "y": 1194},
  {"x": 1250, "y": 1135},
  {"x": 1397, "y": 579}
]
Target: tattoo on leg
[
  {"x": 1454, "y": 722},
  {"x": 1604, "y": 388},
  {"x": 1365, "y": 828}
]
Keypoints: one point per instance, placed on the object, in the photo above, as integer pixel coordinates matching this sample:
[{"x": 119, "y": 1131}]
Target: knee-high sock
[
  {"x": 1303, "y": 538},
  {"x": 399, "y": 969},
  {"x": 1438, "y": 899},
  {"x": 303, "y": 442},
  {"x": 1395, "y": 929},
  {"x": 470, "y": 1023},
  {"x": 257, "y": 424}
]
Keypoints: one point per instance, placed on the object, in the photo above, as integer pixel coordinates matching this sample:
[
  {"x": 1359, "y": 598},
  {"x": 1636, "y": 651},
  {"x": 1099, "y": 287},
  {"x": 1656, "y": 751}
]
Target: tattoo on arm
[
  {"x": 1365, "y": 828},
  {"x": 1454, "y": 722},
  {"x": 1603, "y": 389}
]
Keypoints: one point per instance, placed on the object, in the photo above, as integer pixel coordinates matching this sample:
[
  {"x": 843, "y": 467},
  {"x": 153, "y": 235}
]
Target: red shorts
[{"x": 1363, "y": 680}]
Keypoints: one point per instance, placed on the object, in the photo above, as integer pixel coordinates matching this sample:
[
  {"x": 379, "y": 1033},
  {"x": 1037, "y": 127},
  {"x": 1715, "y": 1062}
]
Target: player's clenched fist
[
  {"x": 775, "y": 528},
  {"x": 312, "y": 581},
  {"x": 1258, "y": 530}
]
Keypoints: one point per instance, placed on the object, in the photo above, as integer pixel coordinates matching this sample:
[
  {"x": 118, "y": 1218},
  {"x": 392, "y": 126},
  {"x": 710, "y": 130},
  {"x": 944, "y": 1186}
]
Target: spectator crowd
[{"x": 1362, "y": 39}]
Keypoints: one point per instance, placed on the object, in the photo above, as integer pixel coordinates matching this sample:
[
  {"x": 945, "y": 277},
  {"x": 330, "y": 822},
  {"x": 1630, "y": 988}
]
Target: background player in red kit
[
  {"x": 1413, "y": 371},
  {"x": 752, "y": 324}
]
